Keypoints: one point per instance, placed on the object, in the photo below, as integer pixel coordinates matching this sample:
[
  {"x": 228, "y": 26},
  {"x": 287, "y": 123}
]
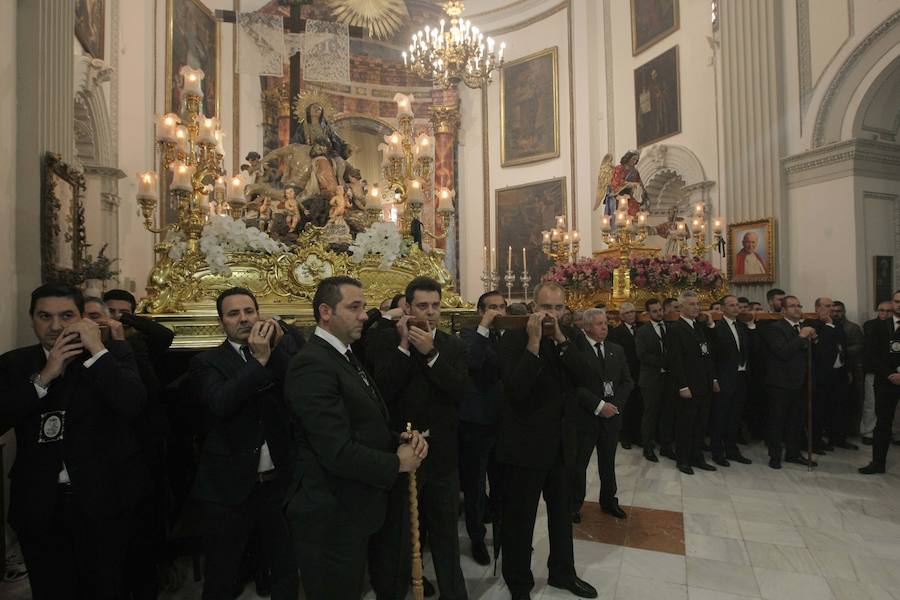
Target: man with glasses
[
  {"x": 867, "y": 422},
  {"x": 788, "y": 341},
  {"x": 537, "y": 444}
]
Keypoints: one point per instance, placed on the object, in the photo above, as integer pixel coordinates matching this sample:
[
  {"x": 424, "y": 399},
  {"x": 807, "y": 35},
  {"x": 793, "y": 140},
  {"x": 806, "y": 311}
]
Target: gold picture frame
[
  {"x": 657, "y": 98},
  {"x": 652, "y": 21},
  {"x": 522, "y": 212},
  {"x": 197, "y": 8},
  {"x": 529, "y": 108},
  {"x": 741, "y": 268},
  {"x": 63, "y": 235}
]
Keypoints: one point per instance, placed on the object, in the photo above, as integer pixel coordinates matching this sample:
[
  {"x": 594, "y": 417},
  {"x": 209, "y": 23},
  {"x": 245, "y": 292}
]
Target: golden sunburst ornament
[
  {"x": 382, "y": 18},
  {"x": 307, "y": 97}
]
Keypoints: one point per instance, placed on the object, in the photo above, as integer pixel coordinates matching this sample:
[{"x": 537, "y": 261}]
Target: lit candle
[
  {"x": 425, "y": 145},
  {"x": 414, "y": 192},
  {"x": 698, "y": 209},
  {"x": 220, "y": 142},
  {"x": 623, "y": 202},
  {"x": 629, "y": 223},
  {"x": 165, "y": 127},
  {"x": 604, "y": 224},
  {"x": 621, "y": 215},
  {"x": 147, "y": 185},
  {"x": 373, "y": 199},
  {"x": 575, "y": 236},
  {"x": 236, "y": 190},
  {"x": 191, "y": 79},
  {"x": 220, "y": 185},
  {"x": 404, "y": 105},
  {"x": 181, "y": 176},
  {"x": 509, "y": 258},
  {"x": 493, "y": 259},
  {"x": 696, "y": 225},
  {"x": 680, "y": 230},
  {"x": 208, "y": 127},
  {"x": 445, "y": 202},
  {"x": 717, "y": 225},
  {"x": 524, "y": 260},
  {"x": 561, "y": 222},
  {"x": 484, "y": 259},
  {"x": 546, "y": 238},
  {"x": 642, "y": 218},
  {"x": 556, "y": 235},
  {"x": 181, "y": 139}
]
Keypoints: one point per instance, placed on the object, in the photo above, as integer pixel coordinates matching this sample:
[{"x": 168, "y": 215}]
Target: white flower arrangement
[
  {"x": 222, "y": 235},
  {"x": 381, "y": 238}
]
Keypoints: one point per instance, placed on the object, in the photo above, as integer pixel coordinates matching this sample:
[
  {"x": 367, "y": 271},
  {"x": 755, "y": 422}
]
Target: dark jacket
[
  {"x": 786, "y": 355},
  {"x": 99, "y": 448},
  {"x": 651, "y": 354},
  {"x": 880, "y": 341},
  {"x": 244, "y": 404},
  {"x": 347, "y": 451},
  {"x": 691, "y": 367},
  {"x": 539, "y": 411},
  {"x": 481, "y": 402},
  {"x": 726, "y": 354},
  {"x": 589, "y": 381},
  {"x": 831, "y": 342},
  {"x": 621, "y": 336}
]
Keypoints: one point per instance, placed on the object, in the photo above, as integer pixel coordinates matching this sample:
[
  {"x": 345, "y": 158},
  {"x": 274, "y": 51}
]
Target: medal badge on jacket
[
  {"x": 608, "y": 390},
  {"x": 704, "y": 349},
  {"x": 895, "y": 347},
  {"x": 53, "y": 425}
]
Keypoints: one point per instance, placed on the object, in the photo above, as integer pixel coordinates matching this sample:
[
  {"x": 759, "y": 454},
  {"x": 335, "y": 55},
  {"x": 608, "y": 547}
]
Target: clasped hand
[{"x": 412, "y": 451}]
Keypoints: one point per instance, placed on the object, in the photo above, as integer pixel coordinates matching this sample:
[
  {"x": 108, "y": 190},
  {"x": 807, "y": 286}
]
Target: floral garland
[
  {"x": 659, "y": 272},
  {"x": 221, "y": 236},
  {"x": 381, "y": 238}
]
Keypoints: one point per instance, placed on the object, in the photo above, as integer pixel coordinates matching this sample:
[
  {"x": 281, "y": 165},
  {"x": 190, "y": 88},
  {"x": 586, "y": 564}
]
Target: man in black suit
[
  {"x": 693, "y": 374},
  {"x": 831, "y": 382},
  {"x": 604, "y": 385},
  {"x": 732, "y": 343},
  {"x": 479, "y": 414},
  {"x": 423, "y": 373},
  {"x": 78, "y": 473},
  {"x": 247, "y": 459},
  {"x": 883, "y": 353},
  {"x": 624, "y": 334},
  {"x": 657, "y": 423},
  {"x": 537, "y": 443},
  {"x": 350, "y": 457},
  {"x": 787, "y": 341},
  {"x": 867, "y": 419}
]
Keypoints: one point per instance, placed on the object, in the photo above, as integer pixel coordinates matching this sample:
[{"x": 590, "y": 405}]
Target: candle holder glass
[{"x": 510, "y": 279}]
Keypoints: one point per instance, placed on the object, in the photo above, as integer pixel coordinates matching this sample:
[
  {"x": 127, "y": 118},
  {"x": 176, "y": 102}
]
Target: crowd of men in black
[{"x": 304, "y": 443}]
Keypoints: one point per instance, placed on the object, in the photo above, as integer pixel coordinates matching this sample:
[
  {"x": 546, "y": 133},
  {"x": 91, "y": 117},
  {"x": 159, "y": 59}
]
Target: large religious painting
[
  {"x": 89, "y": 25},
  {"x": 883, "y": 270},
  {"x": 651, "y": 21},
  {"x": 529, "y": 109},
  {"x": 751, "y": 251},
  {"x": 656, "y": 98},
  {"x": 193, "y": 41},
  {"x": 523, "y": 212}
]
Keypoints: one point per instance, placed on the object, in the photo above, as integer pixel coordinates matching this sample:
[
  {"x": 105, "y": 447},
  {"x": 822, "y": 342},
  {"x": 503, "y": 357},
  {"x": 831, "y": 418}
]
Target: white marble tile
[
  {"x": 637, "y": 588},
  {"x": 594, "y": 555},
  {"x": 658, "y": 486},
  {"x": 855, "y": 590},
  {"x": 781, "y": 585},
  {"x": 653, "y": 565},
  {"x": 716, "y": 548},
  {"x": 715, "y": 575},
  {"x": 695, "y": 593},
  {"x": 693, "y": 489},
  {"x": 705, "y": 506},
  {"x": 877, "y": 571},
  {"x": 712, "y": 525},
  {"x": 782, "y": 558},
  {"x": 657, "y": 501},
  {"x": 837, "y": 565},
  {"x": 771, "y": 533}
]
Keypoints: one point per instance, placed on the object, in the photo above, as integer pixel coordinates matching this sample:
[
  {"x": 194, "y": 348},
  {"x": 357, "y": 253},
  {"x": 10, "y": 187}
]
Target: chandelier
[{"x": 447, "y": 56}]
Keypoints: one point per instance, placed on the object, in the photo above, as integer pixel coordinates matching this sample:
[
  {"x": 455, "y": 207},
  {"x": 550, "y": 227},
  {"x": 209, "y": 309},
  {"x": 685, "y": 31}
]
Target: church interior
[{"x": 743, "y": 155}]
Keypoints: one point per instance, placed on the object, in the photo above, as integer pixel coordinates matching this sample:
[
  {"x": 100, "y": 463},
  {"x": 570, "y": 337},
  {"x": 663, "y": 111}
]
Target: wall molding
[{"x": 861, "y": 158}]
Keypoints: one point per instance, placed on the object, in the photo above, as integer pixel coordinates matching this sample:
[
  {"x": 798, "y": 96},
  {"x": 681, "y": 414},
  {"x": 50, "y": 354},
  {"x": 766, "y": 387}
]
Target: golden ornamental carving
[
  {"x": 312, "y": 96},
  {"x": 445, "y": 118}
]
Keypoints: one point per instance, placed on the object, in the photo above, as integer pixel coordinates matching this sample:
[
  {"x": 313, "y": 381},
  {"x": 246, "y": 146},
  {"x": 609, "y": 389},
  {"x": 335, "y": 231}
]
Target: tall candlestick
[
  {"x": 524, "y": 260},
  {"x": 485, "y": 259},
  {"x": 509, "y": 258},
  {"x": 493, "y": 259}
]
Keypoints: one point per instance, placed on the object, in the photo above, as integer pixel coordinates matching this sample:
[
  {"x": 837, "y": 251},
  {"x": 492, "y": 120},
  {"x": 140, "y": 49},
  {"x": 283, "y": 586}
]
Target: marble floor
[{"x": 741, "y": 533}]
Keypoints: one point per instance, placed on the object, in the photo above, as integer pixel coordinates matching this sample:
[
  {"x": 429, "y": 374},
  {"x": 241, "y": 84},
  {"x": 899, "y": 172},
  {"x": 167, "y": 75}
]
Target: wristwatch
[{"x": 35, "y": 379}]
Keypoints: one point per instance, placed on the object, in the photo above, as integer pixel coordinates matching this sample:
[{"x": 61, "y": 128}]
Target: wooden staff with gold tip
[{"x": 417, "y": 589}]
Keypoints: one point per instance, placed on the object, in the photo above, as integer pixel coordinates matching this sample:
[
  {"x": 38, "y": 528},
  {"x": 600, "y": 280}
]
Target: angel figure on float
[
  {"x": 291, "y": 209},
  {"x": 613, "y": 180},
  {"x": 339, "y": 205}
]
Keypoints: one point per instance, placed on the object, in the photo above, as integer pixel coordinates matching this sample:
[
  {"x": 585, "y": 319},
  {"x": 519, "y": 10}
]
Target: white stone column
[
  {"x": 750, "y": 138},
  {"x": 44, "y": 93}
]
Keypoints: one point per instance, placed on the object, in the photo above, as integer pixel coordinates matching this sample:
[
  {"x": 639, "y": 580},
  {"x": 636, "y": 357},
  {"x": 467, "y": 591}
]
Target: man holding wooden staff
[{"x": 350, "y": 456}]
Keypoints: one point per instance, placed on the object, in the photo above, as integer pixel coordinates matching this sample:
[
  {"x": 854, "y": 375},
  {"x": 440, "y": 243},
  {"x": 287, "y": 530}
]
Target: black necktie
[
  {"x": 358, "y": 366},
  {"x": 245, "y": 352},
  {"x": 598, "y": 349}
]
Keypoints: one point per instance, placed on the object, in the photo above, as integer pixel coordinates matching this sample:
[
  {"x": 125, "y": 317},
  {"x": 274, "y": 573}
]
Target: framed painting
[
  {"x": 90, "y": 24},
  {"x": 751, "y": 251},
  {"x": 656, "y": 98},
  {"x": 883, "y": 276},
  {"x": 651, "y": 21},
  {"x": 522, "y": 213},
  {"x": 529, "y": 109},
  {"x": 62, "y": 221},
  {"x": 192, "y": 39}
]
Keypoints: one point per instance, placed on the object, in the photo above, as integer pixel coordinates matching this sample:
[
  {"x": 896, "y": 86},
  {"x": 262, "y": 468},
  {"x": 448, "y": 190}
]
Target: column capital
[{"x": 445, "y": 118}]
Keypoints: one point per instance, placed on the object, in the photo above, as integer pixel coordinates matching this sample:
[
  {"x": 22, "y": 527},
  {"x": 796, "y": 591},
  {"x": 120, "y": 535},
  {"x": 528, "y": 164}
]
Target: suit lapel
[
  {"x": 371, "y": 390},
  {"x": 231, "y": 360}
]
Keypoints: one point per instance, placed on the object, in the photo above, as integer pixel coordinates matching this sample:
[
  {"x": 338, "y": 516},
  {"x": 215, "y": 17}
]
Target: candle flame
[
  {"x": 182, "y": 169},
  {"x": 236, "y": 181},
  {"x": 395, "y": 139}
]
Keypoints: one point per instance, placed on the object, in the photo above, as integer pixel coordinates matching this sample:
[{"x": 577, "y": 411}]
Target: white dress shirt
[
  {"x": 430, "y": 362},
  {"x": 598, "y": 350}
]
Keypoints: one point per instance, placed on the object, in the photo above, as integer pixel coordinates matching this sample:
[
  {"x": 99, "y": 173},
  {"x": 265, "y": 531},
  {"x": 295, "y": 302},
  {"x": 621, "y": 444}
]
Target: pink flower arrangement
[{"x": 658, "y": 272}]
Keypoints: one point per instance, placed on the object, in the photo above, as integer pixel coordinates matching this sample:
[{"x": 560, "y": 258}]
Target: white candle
[
  {"x": 414, "y": 192},
  {"x": 604, "y": 224},
  {"x": 493, "y": 259},
  {"x": 207, "y": 134},
  {"x": 546, "y": 238},
  {"x": 220, "y": 142},
  {"x": 621, "y": 215},
  {"x": 696, "y": 225},
  {"x": 717, "y": 226},
  {"x": 236, "y": 189},
  {"x": 191, "y": 79},
  {"x": 404, "y": 105},
  {"x": 181, "y": 176},
  {"x": 484, "y": 258},
  {"x": 425, "y": 145},
  {"x": 165, "y": 127},
  {"x": 181, "y": 139},
  {"x": 220, "y": 185},
  {"x": 524, "y": 261},
  {"x": 147, "y": 185},
  {"x": 445, "y": 202},
  {"x": 509, "y": 258}
]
